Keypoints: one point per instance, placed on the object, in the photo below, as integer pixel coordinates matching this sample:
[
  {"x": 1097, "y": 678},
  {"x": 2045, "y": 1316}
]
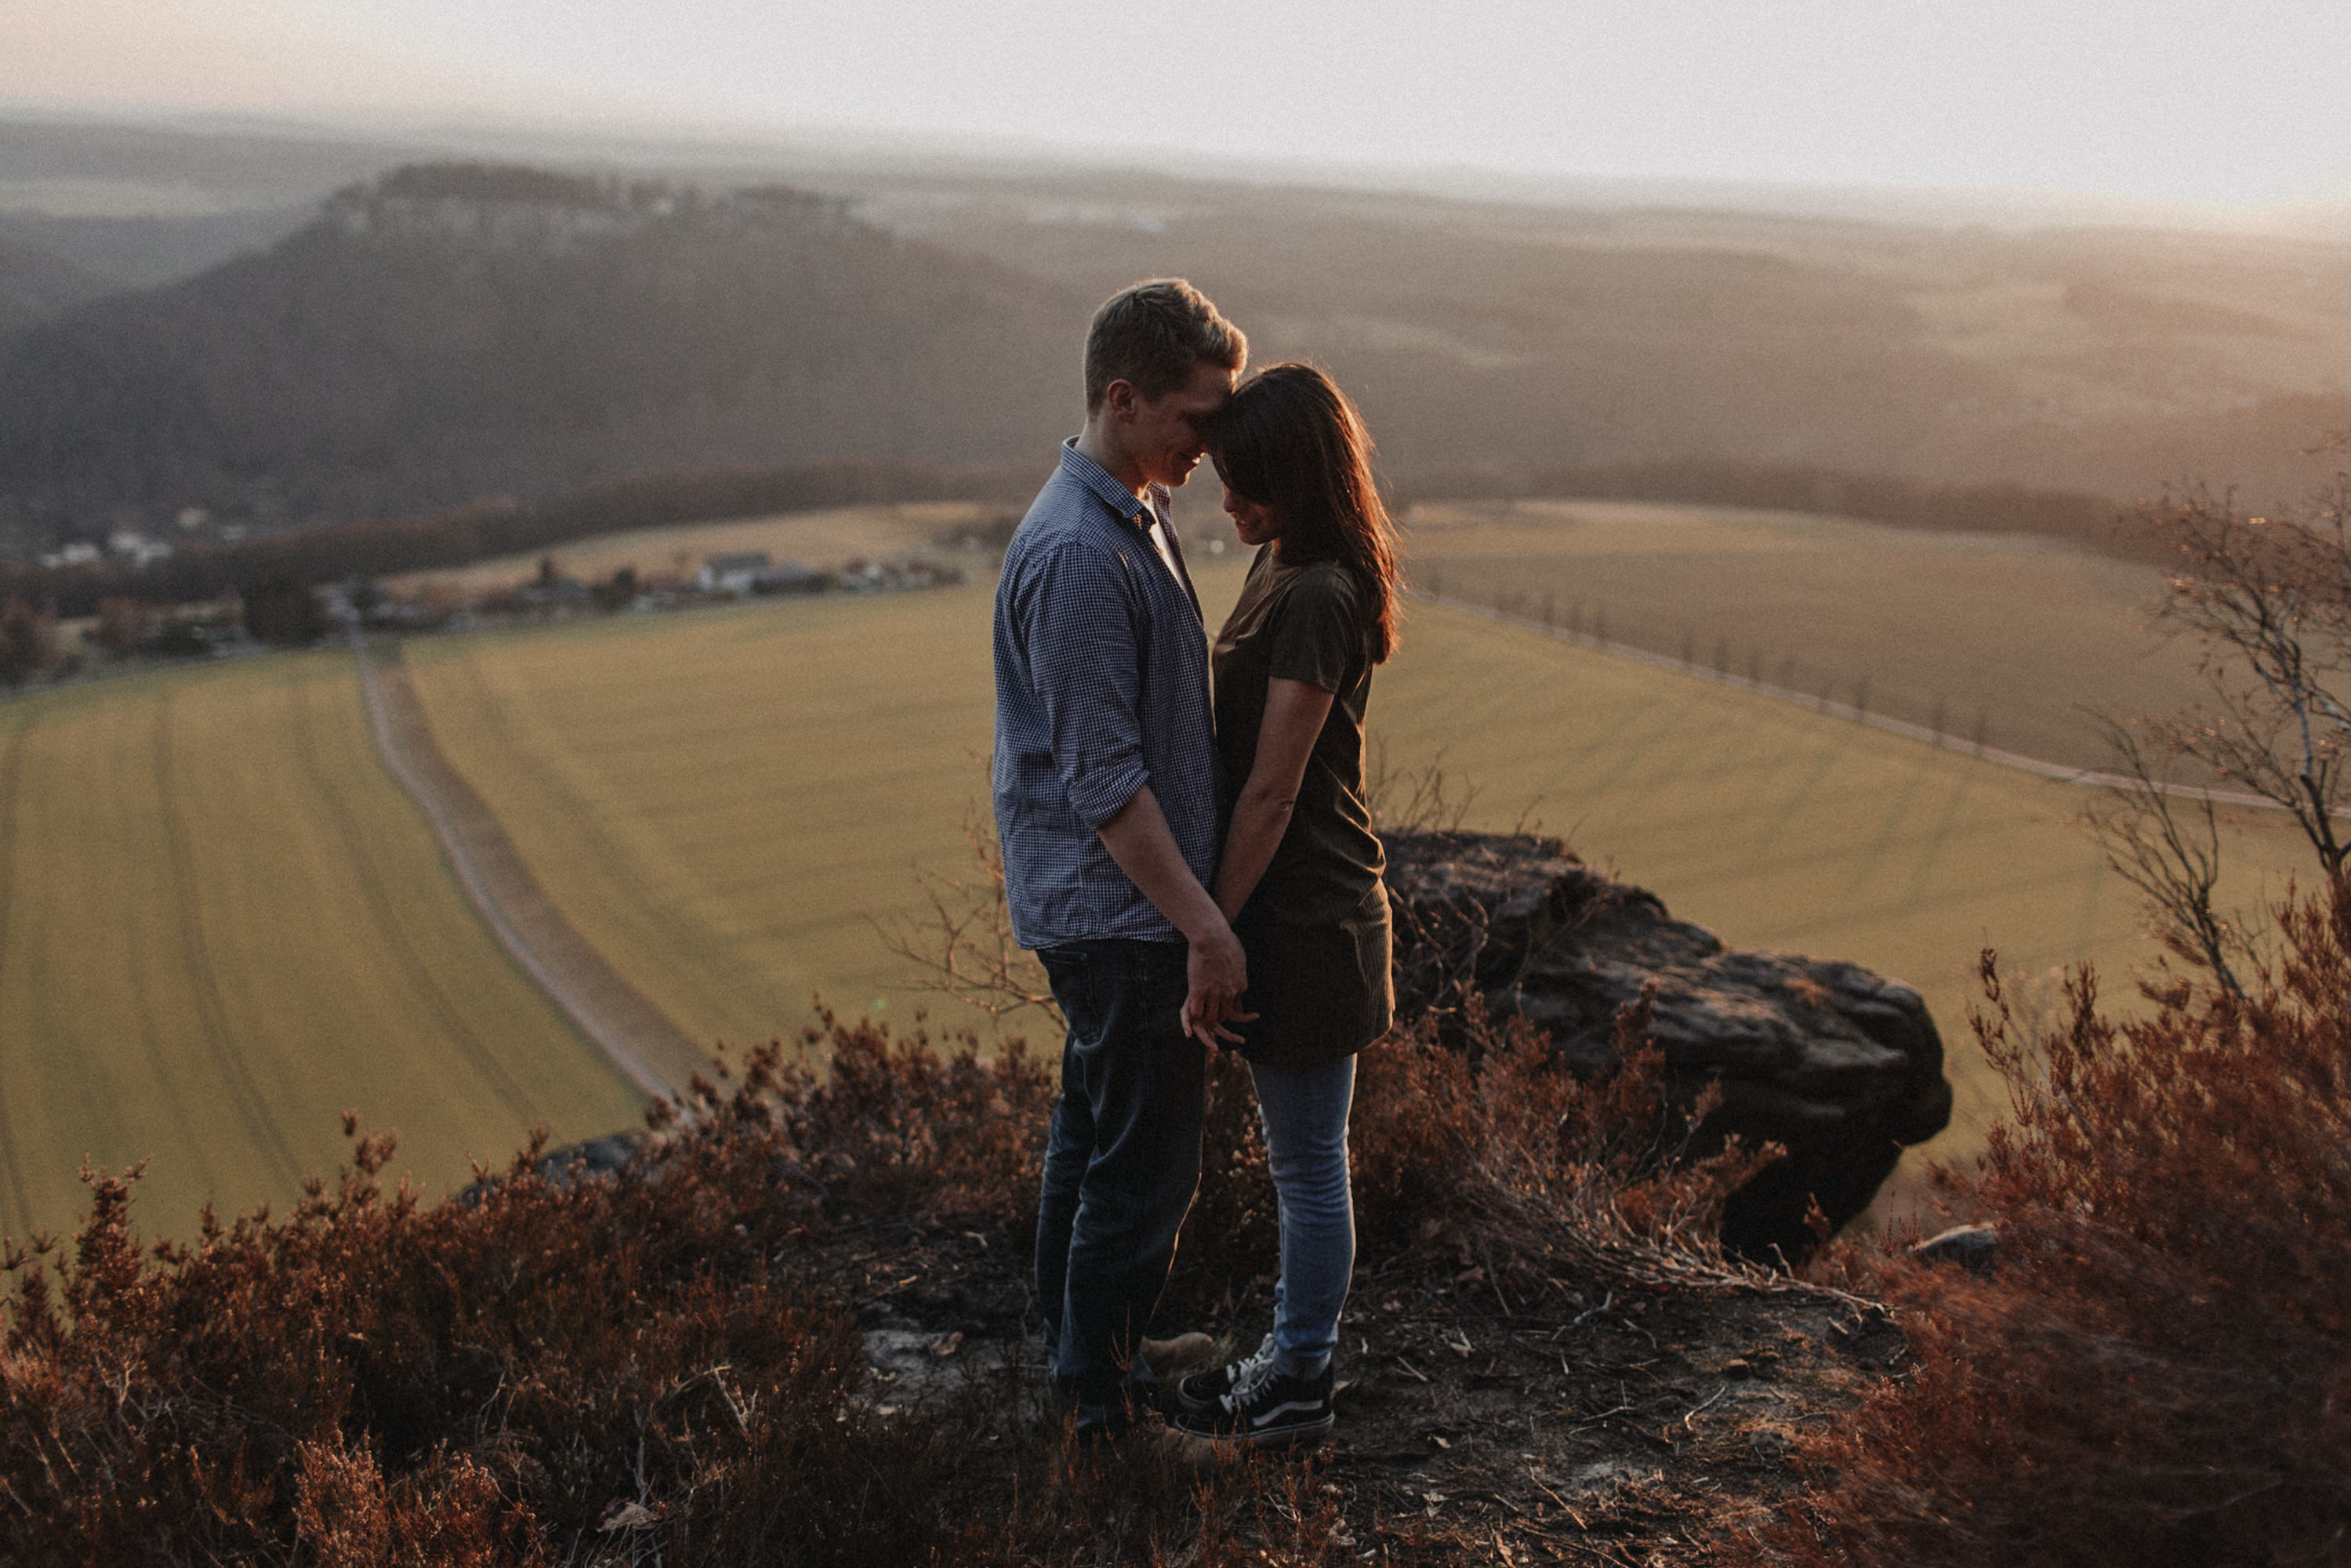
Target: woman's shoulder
[{"x": 1324, "y": 579}]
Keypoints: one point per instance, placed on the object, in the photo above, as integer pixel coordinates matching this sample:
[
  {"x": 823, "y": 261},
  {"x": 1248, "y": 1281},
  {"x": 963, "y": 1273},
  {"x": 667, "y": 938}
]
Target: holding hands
[{"x": 1217, "y": 975}]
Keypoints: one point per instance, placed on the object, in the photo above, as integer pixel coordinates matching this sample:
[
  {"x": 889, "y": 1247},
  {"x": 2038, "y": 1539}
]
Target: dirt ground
[{"x": 1583, "y": 1426}]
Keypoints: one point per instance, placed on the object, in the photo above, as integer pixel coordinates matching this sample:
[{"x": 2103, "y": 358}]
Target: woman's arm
[{"x": 1294, "y": 712}]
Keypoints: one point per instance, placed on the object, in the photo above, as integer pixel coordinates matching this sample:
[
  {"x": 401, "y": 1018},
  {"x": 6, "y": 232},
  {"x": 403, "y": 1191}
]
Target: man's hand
[
  {"x": 1138, "y": 839},
  {"x": 1216, "y": 975}
]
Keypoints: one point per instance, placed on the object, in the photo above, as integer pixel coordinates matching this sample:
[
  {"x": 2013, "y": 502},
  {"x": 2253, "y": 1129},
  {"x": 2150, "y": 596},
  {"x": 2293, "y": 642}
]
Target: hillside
[
  {"x": 451, "y": 331},
  {"x": 1499, "y": 336},
  {"x": 36, "y": 286},
  {"x": 447, "y": 332}
]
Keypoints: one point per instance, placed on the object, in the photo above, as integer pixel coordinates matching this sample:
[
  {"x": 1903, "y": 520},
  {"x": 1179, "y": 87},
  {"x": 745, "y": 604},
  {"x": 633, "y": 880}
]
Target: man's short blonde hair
[{"x": 1154, "y": 334}]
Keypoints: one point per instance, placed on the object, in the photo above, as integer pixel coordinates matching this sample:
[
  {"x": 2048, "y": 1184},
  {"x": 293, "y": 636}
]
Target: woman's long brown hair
[{"x": 1290, "y": 439}]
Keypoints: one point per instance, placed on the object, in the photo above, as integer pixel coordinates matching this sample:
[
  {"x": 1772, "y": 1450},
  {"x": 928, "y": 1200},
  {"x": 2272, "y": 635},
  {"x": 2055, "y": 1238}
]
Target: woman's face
[{"x": 1256, "y": 522}]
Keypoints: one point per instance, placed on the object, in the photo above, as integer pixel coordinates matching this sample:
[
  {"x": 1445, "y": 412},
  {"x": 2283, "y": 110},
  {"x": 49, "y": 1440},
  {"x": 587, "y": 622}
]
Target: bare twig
[
  {"x": 2267, "y": 600},
  {"x": 2169, "y": 849},
  {"x": 964, "y": 948},
  {"x": 1422, "y": 800}
]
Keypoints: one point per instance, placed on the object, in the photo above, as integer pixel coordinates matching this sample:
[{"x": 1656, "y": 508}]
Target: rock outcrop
[{"x": 1842, "y": 1066}]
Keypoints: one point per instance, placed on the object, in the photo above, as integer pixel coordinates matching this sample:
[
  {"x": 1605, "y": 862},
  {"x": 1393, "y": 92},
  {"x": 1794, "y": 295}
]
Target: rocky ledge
[{"x": 1842, "y": 1066}]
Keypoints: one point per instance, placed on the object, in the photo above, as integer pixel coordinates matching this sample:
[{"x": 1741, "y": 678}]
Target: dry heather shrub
[
  {"x": 1487, "y": 1147},
  {"x": 653, "y": 1364},
  {"x": 350, "y": 1519},
  {"x": 1496, "y": 1147},
  {"x": 2159, "y": 1369},
  {"x": 371, "y": 1379},
  {"x": 891, "y": 1121}
]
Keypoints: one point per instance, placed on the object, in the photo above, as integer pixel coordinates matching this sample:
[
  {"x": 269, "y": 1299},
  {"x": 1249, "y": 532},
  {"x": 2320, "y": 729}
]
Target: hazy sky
[{"x": 2238, "y": 102}]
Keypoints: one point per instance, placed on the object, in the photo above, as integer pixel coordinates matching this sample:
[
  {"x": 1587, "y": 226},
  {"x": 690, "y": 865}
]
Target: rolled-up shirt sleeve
[{"x": 1079, "y": 633}]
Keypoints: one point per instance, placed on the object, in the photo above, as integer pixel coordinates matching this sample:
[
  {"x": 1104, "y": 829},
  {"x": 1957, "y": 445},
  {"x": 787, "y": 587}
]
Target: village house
[
  {"x": 735, "y": 572},
  {"x": 753, "y": 571}
]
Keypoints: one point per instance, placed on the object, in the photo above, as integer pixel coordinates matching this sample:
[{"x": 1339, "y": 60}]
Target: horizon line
[{"x": 2324, "y": 219}]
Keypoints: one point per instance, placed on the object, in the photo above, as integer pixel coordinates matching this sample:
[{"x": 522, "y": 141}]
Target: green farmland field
[
  {"x": 718, "y": 800},
  {"x": 2012, "y": 635},
  {"x": 221, "y": 925}
]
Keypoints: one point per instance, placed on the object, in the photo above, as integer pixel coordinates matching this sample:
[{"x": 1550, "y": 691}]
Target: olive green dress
[{"x": 1316, "y": 929}]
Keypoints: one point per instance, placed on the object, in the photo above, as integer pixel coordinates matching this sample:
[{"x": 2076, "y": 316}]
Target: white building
[{"x": 738, "y": 572}]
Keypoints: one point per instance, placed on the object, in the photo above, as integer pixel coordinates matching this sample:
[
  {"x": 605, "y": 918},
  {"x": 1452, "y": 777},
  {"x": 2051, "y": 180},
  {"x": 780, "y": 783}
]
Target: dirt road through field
[{"x": 654, "y": 1053}]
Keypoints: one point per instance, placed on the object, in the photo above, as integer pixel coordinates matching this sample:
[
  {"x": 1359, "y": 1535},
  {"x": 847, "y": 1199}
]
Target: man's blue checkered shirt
[{"x": 1101, "y": 687}]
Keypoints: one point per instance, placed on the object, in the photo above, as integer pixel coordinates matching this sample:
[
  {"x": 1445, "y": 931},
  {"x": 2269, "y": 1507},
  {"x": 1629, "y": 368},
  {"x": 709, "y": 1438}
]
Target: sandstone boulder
[{"x": 1842, "y": 1066}]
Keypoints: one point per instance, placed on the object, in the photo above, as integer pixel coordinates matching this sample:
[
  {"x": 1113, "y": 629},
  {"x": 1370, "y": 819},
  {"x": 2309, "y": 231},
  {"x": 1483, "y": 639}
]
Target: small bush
[
  {"x": 27, "y": 639},
  {"x": 284, "y": 610},
  {"x": 2159, "y": 1368}
]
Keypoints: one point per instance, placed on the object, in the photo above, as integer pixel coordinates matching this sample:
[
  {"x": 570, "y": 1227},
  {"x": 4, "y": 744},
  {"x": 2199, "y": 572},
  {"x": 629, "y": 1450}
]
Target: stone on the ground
[{"x": 1975, "y": 1248}]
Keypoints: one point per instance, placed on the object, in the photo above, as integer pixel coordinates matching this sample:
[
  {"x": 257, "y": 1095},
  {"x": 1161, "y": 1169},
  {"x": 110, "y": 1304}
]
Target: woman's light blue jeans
[{"x": 1304, "y": 1113}]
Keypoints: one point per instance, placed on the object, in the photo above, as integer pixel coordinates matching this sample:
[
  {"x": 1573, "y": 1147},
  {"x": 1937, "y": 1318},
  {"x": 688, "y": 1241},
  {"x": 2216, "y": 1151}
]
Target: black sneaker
[
  {"x": 1201, "y": 1392},
  {"x": 1265, "y": 1409}
]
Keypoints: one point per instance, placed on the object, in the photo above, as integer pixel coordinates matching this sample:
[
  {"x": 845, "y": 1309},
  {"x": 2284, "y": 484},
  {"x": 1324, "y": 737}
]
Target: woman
[{"x": 1300, "y": 877}]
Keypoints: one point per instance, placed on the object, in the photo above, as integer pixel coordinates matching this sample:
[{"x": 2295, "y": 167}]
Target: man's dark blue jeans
[{"x": 1121, "y": 1166}]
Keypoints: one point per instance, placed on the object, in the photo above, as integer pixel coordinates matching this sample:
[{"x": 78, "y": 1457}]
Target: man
[{"x": 1106, "y": 805}]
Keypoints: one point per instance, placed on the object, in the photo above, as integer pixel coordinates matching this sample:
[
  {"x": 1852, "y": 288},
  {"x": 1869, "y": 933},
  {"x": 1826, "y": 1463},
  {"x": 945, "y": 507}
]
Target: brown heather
[
  {"x": 2159, "y": 1368},
  {"x": 664, "y": 1364}
]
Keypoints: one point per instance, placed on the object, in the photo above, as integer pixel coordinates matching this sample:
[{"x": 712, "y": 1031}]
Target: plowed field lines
[
  {"x": 212, "y": 1027},
  {"x": 391, "y": 932}
]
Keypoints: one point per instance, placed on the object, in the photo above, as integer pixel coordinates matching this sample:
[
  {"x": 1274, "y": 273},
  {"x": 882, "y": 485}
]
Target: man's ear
[{"x": 1121, "y": 399}]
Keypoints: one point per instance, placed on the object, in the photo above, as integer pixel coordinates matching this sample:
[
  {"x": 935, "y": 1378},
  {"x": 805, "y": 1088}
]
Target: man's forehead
[{"x": 1206, "y": 392}]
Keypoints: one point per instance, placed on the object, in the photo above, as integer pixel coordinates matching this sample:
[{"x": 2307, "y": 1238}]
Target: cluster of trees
[
  {"x": 505, "y": 526},
  {"x": 28, "y": 642}
]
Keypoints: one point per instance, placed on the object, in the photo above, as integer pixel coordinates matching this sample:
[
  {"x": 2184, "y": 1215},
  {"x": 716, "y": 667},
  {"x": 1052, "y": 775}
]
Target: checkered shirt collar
[{"x": 1139, "y": 512}]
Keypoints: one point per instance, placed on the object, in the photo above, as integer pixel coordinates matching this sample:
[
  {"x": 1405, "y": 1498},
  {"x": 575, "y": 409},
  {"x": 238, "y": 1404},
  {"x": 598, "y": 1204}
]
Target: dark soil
[{"x": 1583, "y": 1426}]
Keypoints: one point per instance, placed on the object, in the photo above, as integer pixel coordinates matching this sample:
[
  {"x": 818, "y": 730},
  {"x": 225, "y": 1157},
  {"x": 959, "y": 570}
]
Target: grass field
[
  {"x": 822, "y": 539},
  {"x": 220, "y": 925},
  {"x": 719, "y": 800},
  {"x": 2011, "y": 634}
]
